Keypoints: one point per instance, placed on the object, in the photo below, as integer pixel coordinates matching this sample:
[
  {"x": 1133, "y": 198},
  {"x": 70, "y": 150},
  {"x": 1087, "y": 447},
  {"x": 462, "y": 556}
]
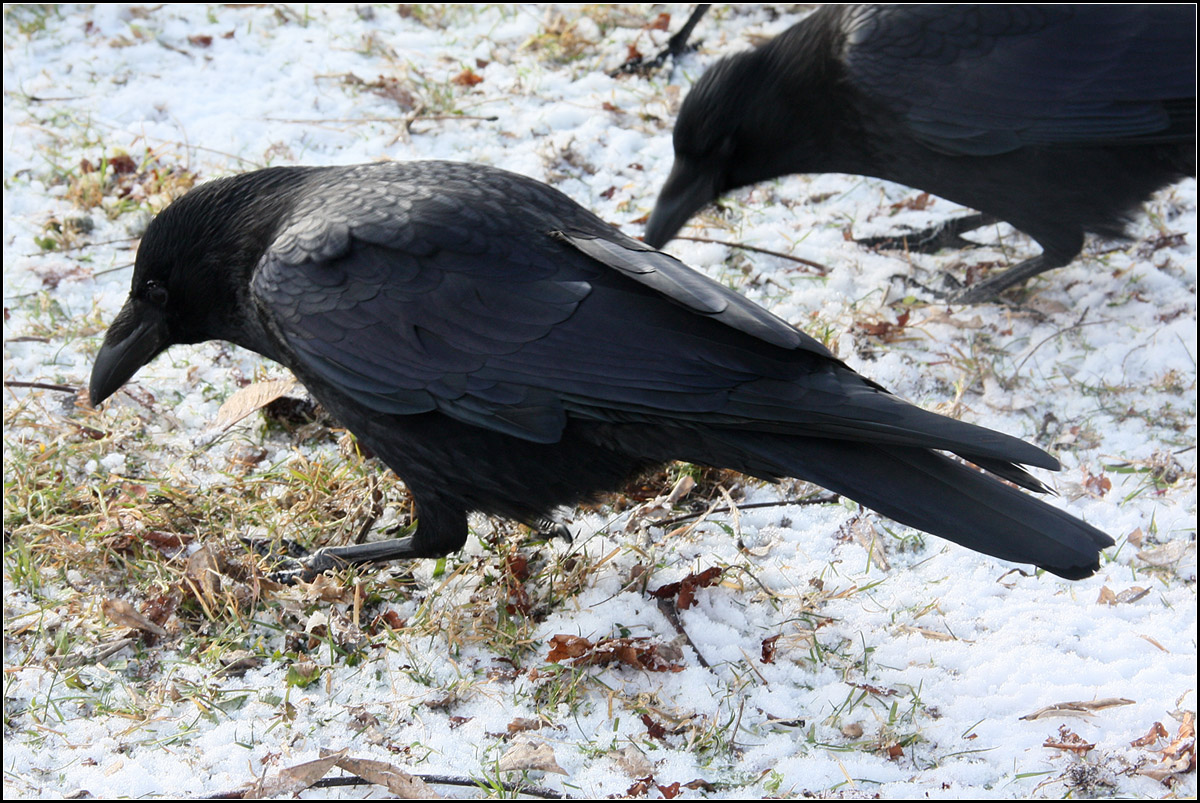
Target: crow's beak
[
  {"x": 137, "y": 336},
  {"x": 689, "y": 187}
]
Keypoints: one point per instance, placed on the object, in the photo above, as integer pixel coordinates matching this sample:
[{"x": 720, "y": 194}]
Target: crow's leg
[
  {"x": 426, "y": 542},
  {"x": 1058, "y": 248},
  {"x": 550, "y": 528},
  {"x": 441, "y": 528},
  {"x": 339, "y": 557},
  {"x": 934, "y": 238},
  {"x": 677, "y": 45},
  {"x": 994, "y": 285}
]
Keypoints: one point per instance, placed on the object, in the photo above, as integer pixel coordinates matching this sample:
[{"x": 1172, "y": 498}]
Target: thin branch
[
  {"x": 818, "y": 500},
  {"x": 408, "y": 119},
  {"x": 12, "y": 383},
  {"x": 817, "y": 266}
]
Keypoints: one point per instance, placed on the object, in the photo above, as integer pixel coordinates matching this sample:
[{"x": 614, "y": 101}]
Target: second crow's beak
[
  {"x": 138, "y": 334},
  {"x": 689, "y": 187}
]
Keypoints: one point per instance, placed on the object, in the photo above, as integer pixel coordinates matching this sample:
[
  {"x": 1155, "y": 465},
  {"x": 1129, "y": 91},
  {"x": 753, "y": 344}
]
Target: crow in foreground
[
  {"x": 1060, "y": 120},
  {"x": 504, "y": 350}
]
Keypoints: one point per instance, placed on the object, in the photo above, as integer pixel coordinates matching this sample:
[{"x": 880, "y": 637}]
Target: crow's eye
[{"x": 156, "y": 294}]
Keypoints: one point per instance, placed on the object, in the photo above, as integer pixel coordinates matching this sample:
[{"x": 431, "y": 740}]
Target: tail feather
[{"x": 932, "y": 492}]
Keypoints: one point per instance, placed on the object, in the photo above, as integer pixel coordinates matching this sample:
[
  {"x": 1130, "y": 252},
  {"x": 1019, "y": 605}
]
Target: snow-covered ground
[{"x": 907, "y": 670}]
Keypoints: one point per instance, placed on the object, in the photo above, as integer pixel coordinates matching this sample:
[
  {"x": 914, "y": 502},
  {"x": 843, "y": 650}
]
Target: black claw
[{"x": 932, "y": 239}]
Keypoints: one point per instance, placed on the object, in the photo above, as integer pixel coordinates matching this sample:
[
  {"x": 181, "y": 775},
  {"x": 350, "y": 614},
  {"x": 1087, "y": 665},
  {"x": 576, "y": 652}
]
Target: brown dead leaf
[
  {"x": 166, "y": 541},
  {"x": 768, "y": 649},
  {"x": 669, "y": 791},
  {"x": 661, "y": 23},
  {"x": 886, "y": 331},
  {"x": 1156, "y": 732},
  {"x": 236, "y": 663},
  {"x": 684, "y": 591},
  {"x": 526, "y": 754},
  {"x": 640, "y": 787},
  {"x": 203, "y": 570},
  {"x": 121, "y": 613},
  {"x": 295, "y": 779},
  {"x": 654, "y": 729},
  {"x": 564, "y": 647},
  {"x": 660, "y": 505},
  {"x": 389, "y": 87},
  {"x": 944, "y": 315},
  {"x": 396, "y": 780},
  {"x": 927, "y": 633},
  {"x": 1082, "y": 708},
  {"x": 637, "y": 652},
  {"x": 1131, "y": 594},
  {"x": 1179, "y": 757},
  {"x": 1068, "y": 740},
  {"x": 467, "y": 77},
  {"x": 524, "y": 724},
  {"x": 919, "y": 204},
  {"x": 1096, "y": 485},
  {"x": 122, "y": 164},
  {"x": 1167, "y": 555},
  {"x": 324, "y": 588},
  {"x": 249, "y": 399},
  {"x": 633, "y": 762}
]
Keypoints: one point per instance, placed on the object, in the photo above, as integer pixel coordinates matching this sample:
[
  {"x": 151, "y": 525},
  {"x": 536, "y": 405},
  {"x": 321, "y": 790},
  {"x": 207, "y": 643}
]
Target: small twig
[
  {"x": 819, "y": 500},
  {"x": 669, "y": 610},
  {"x": 13, "y": 383},
  {"x": 817, "y": 266},
  {"x": 408, "y": 119},
  {"x": 84, "y": 245},
  {"x": 443, "y": 780},
  {"x": 1077, "y": 325},
  {"x": 112, "y": 270}
]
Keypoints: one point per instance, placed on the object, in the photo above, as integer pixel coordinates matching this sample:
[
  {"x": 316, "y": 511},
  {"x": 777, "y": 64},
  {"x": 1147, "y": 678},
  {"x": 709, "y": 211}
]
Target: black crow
[
  {"x": 1058, "y": 119},
  {"x": 506, "y": 351}
]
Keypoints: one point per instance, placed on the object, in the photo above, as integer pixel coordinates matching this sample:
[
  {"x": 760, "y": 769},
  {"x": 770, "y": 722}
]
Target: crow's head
[
  {"x": 191, "y": 275},
  {"x": 751, "y": 117},
  {"x": 733, "y": 128}
]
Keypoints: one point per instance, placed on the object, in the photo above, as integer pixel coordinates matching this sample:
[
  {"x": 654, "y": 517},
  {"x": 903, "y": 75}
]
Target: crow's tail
[{"x": 935, "y": 493}]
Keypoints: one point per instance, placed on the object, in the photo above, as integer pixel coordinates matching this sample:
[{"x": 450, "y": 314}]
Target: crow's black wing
[
  {"x": 987, "y": 79},
  {"x": 501, "y": 303}
]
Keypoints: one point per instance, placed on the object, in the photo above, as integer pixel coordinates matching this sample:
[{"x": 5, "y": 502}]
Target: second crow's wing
[{"x": 982, "y": 80}]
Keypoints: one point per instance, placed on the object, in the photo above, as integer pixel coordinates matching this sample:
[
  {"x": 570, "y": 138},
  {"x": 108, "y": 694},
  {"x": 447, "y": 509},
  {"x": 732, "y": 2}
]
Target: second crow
[{"x": 504, "y": 350}]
